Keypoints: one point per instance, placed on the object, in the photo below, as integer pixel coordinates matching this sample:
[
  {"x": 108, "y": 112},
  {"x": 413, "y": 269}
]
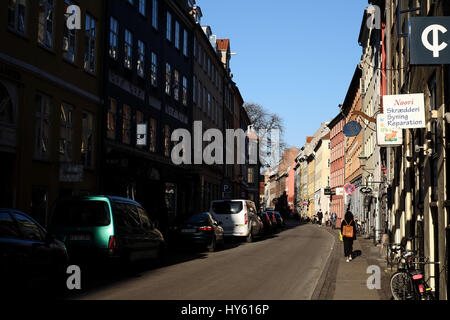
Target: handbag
[{"x": 347, "y": 230}]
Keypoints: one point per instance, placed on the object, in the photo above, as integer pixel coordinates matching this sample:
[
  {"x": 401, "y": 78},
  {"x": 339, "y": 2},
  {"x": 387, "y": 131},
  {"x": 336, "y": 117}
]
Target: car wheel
[{"x": 212, "y": 246}]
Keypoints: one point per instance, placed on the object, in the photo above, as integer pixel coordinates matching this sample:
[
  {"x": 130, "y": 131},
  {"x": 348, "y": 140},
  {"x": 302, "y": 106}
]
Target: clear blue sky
[{"x": 294, "y": 57}]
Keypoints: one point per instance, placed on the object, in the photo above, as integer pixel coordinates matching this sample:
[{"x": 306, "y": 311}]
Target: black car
[
  {"x": 201, "y": 229},
  {"x": 28, "y": 253}
]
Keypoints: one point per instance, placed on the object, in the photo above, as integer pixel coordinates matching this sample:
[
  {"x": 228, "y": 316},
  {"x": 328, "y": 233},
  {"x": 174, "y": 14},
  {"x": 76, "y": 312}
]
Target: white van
[{"x": 238, "y": 218}]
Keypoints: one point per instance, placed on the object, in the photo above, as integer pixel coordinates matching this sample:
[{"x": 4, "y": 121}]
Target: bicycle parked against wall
[{"x": 409, "y": 283}]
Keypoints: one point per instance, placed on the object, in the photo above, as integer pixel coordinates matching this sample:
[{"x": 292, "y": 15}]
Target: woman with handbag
[{"x": 348, "y": 232}]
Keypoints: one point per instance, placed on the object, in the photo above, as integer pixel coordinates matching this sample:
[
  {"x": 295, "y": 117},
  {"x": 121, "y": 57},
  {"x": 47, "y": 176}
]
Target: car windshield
[
  {"x": 81, "y": 214},
  {"x": 198, "y": 219},
  {"x": 227, "y": 207}
]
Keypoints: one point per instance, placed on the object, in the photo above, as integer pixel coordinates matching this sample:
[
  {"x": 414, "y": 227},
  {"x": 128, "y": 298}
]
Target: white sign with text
[{"x": 405, "y": 111}]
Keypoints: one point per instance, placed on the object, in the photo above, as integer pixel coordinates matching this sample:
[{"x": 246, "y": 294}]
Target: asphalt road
[{"x": 287, "y": 266}]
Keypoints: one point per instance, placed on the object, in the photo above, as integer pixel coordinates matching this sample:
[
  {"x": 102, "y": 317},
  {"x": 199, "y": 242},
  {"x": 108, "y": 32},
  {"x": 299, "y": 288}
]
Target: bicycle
[{"x": 408, "y": 283}]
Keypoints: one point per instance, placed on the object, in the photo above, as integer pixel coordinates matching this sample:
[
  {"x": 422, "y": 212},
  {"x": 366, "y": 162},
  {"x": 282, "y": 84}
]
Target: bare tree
[{"x": 263, "y": 122}]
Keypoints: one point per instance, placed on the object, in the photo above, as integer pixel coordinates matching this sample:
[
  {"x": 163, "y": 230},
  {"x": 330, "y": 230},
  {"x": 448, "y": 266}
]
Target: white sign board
[
  {"x": 388, "y": 136},
  {"x": 406, "y": 111},
  {"x": 340, "y": 191},
  {"x": 141, "y": 135}
]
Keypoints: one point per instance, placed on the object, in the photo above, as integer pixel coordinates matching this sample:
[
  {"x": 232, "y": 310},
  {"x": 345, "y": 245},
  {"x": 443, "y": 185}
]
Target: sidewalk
[{"x": 348, "y": 280}]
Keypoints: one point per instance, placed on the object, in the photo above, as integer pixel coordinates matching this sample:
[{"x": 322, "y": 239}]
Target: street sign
[
  {"x": 366, "y": 190},
  {"x": 349, "y": 189},
  {"x": 387, "y": 136},
  {"x": 404, "y": 111},
  {"x": 352, "y": 129},
  {"x": 429, "y": 40}
]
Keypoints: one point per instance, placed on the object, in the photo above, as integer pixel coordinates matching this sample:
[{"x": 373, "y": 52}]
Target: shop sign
[
  {"x": 429, "y": 40},
  {"x": 405, "y": 111},
  {"x": 388, "y": 137}
]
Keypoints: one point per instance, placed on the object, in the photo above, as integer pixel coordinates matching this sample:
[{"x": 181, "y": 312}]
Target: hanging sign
[
  {"x": 388, "y": 137},
  {"x": 352, "y": 129},
  {"x": 405, "y": 111}
]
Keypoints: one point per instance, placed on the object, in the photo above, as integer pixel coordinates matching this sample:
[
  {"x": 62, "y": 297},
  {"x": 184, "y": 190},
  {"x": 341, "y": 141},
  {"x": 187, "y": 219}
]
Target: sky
[{"x": 294, "y": 57}]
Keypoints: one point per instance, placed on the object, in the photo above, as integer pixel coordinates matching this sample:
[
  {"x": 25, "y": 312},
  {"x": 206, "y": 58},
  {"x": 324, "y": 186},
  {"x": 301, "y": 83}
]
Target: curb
[{"x": 320, "y": 284}]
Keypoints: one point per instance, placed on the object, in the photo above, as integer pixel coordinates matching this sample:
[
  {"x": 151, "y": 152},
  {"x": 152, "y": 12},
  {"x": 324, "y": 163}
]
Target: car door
[
  {"x": 128, "y": 229},
  {"x": 254, "y": 219},
  {"x": 150, "y": 237},
  {"x": 39, "y": 252}
]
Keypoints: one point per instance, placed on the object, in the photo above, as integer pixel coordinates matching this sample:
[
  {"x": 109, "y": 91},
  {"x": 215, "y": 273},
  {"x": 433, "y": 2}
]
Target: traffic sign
[{"x": 350, "y": 189}]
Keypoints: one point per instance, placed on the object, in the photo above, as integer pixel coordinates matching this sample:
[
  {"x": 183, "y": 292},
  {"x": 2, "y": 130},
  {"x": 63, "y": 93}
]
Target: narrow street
[{"x": 287, "y": 266}]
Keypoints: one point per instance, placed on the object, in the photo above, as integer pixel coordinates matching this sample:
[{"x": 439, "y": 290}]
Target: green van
[{"x": 106, "y": 228}]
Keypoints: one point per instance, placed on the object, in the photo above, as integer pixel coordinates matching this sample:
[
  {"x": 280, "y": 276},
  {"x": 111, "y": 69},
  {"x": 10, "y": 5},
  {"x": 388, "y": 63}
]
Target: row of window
[
  {"x": 128, "y": 118},
  {"x": 17, "y": 21},
  {"x": 175, "y": 33},
  {"x": 205, "y": 62},
  {"x": 205, "y": 101},
  {"x": 43, "y": 129}
]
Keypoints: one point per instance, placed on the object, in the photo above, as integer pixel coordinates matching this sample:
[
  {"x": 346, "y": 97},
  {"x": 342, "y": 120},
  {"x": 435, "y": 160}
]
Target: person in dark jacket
[
  {"x": 348, "y": 242},
  {"x": 320, "y": 217}
]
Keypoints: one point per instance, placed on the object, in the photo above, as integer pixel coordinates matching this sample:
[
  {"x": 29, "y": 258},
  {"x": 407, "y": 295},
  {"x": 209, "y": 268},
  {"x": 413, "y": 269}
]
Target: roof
[
  {"x": 309, "y": 139},
  {"x": 223, "y": 44}
]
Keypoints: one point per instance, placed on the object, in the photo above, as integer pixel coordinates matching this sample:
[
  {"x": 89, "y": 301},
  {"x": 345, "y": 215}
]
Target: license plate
[
  {"x": 188, "y": 230},
  {"x": 79, "y": 237}
]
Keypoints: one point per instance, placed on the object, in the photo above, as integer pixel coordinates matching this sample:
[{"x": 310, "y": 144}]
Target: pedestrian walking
[
  {"x": 348, "y": 232},
  {"x": 320, "y": 217},
  {"x": 326, "y": 219},
  {"x": 333, "y": 219}
]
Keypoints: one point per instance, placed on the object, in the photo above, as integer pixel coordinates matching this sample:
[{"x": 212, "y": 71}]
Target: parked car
[
  {"x": 273, "y": 220},
  {"x": 202, "y": 229},
  {"x": 28, "y": 252},
  {"x": 106, "y": 228},
  {"x": 279, "y": 218},
  {"x": 267, "y": 222},
  {"x": 238, "y": 217}
]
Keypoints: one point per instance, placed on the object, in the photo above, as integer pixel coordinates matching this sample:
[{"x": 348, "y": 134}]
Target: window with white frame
[
  {"x": 66, "y": 133},
  {"x": 140, "y": 66},
  {"x": 169, "y": 27},
  {"x": 90, "y": 49},
  {"x": 17, "y": 15},
  {"x": 87, "y": 139},
  {"x": 155, "y": 14},
  {"x": 154, "y": 70},
  {"x": 114, "y": 38},
  {"x": 168, "y": 79},
  {"x": 45, "y": 23},
  {"x": 69, "y": 39},
  {"x": 42, "y": 127},
  {"x": 128, "y": 47}
]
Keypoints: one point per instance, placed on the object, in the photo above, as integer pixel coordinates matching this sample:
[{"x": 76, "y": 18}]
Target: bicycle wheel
[{"x": 402, "y": 286}]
